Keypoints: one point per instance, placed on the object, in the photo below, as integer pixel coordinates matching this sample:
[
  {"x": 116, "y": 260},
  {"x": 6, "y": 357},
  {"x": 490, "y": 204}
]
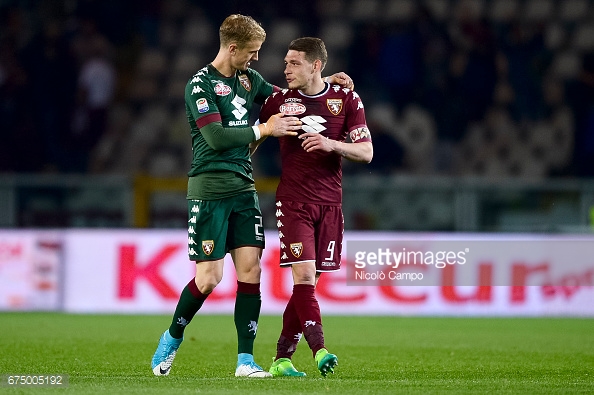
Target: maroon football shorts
[{"x": 309, "y": 232}]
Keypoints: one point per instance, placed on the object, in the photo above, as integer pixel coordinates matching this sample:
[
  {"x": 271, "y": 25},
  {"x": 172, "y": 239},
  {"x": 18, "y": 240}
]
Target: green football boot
[
  {"x": 284, "y": 367},
  {"x": 326, "y": 361}
]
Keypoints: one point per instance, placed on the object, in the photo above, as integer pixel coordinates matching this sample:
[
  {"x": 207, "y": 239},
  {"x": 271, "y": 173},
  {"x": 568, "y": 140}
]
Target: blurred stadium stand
[{"x": 484, "y": 109}]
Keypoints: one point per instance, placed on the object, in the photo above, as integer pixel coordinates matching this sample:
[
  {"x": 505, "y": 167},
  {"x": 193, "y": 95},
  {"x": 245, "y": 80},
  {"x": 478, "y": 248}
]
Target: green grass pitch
[{"x": 377, "y": 355}]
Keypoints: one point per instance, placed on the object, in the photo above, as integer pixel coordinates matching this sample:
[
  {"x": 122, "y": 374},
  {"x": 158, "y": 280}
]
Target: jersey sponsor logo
[
  {"x": 292, "y": 108},
  {"x": 222, "y": 89},
  {"x": 313, "y": 124},
  {"x": 240, "y": 111},
  {"x": 202, "y": 105},
  {"x": 238, "y": 123},
  {"x": 196, "y": 89},
  {"x": 296, "y": 249},
  {"x": 245, "y": 82},
  {"x": 208, "y": 246},
  {"x": 334, "y": 105}
]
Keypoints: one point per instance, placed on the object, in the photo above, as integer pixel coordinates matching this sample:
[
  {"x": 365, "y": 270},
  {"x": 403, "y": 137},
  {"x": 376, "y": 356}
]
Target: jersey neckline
[{"x": 322, "y": 93}]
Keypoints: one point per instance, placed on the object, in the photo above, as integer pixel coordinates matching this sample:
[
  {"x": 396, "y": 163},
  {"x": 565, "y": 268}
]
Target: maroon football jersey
[{"x": 315, "y": 177}]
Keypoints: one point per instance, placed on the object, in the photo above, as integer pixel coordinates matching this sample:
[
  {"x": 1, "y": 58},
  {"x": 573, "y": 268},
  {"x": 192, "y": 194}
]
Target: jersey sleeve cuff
[{"x": 256, "y": 132}]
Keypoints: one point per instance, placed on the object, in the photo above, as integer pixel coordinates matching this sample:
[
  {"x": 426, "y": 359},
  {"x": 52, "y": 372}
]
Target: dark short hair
[{"x": 313, "y": 48}]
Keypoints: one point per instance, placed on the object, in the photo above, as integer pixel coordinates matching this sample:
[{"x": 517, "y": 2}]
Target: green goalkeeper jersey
[{"x": 211, "y": 97}]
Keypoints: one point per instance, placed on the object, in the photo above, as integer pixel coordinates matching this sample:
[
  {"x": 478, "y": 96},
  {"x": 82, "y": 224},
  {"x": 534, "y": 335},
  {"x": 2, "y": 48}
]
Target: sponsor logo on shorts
[
  {"x": 328, "y": 264},
  {"x": 202, "y": 105},
  {"x": 296, "y": 249},
  {"x": 207, "y": 246},
  {"x": 245, "y": 82},
  {"x": 334, "y": 105}
]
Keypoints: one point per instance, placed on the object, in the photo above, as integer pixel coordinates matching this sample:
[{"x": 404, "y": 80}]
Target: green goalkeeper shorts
[{"x": 217, "y": 226}]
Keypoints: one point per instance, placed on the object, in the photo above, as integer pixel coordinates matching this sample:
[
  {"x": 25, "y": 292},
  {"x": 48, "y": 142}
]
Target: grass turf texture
[{"x": 377, "y": 355}]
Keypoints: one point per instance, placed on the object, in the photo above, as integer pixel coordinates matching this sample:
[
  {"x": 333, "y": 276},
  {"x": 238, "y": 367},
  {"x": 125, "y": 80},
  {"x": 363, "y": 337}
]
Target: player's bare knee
[
  {"x": 304, "y": 273},
  {"x": 305, "y": 280},
  {"x": 207, "y": 284},
  {"x": 249, "y": 273}
]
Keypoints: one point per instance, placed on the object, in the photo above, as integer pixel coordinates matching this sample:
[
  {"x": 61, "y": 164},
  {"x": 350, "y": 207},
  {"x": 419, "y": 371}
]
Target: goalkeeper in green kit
[{"x": 223, "y": 209}]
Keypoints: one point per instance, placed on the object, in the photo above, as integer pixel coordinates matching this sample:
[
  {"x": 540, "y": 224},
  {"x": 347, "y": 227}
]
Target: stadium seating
[{"x": 188, "y": 36}]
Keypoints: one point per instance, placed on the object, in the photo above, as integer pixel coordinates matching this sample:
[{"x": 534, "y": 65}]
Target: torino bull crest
[
  {"x": 207, "y": 246},
  {"x": 334, "y": 105},
  {"x": 296, "y": 249}
]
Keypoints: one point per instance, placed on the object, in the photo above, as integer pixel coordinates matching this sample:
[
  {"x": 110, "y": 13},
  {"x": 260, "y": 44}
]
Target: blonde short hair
[{"x": 240, "y": 29}]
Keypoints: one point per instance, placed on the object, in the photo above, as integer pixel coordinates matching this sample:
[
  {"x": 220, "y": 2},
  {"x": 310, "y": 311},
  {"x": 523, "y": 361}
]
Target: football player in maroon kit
[{"x": 309, "y": 195}]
